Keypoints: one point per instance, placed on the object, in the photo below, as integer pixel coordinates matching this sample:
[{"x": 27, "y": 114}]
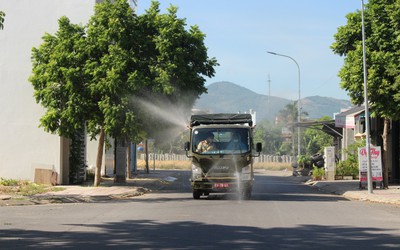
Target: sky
[{"x": 239, "y": 34}]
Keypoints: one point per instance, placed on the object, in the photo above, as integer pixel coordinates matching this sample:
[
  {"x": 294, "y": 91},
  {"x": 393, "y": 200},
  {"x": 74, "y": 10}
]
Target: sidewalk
[
  {"x": 108, "y": 190},
  {"x": 350, "y": 189}
]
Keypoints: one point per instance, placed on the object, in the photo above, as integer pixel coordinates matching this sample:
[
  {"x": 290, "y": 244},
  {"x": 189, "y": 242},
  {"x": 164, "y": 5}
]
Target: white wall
[
  {"x": 24, "y": 145},
  {"x": 91, "y": 153}
]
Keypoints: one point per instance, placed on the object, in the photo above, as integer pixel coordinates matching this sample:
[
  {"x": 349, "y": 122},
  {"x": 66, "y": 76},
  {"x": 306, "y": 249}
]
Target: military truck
[{"x": 221, "y": 147}]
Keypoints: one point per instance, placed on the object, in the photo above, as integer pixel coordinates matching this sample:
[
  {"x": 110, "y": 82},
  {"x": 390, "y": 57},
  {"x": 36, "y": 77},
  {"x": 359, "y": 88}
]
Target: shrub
[
  {"x": 25, "y": 188},
  {"x": 8, "y": 182},
  {"x": 318, "y": 173},
  {"x": 12, "y": 182},
  {"x": 303, "y": 161},
  {"x": 348, "y": 167}
]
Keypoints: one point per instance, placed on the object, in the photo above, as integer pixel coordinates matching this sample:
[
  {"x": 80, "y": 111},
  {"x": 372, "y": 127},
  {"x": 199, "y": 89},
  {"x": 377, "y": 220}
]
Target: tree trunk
[
  {"x": 147, "y": 155},
  {"x": 128, "y": 161},
  {"x": 385, "y": 155},
  {"x": 97, "y": 176}
]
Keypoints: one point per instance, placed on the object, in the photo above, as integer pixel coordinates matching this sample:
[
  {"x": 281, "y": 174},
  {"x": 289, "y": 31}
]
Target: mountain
[
  {"x": 318, "y": 106},
  {"x": 227, "y": 97}
]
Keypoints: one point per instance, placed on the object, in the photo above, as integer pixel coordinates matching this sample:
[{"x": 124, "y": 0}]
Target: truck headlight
[{"x": 196, "y": 172}]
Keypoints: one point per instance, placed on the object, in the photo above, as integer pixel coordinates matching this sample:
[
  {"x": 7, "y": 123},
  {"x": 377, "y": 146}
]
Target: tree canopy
[
  {"x": 89, "y": 76},
  {"x": 382, "y": 29},
  {"x": 315, "y": 140},
  {"x": 270, "y": 135}
]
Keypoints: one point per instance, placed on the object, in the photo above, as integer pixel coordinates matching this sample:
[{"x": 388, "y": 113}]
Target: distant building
[
  {"x": 353, "y": 123},
  {"x": 349, "y": 121}
]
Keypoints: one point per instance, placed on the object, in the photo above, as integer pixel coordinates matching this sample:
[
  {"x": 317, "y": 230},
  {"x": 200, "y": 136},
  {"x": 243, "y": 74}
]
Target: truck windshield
[{"x": 221, "y": 141}]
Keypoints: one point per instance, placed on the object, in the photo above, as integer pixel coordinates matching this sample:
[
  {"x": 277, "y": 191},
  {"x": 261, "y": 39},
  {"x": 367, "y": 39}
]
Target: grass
[
  {"x": 185, "y": 165},
  {"x": 24, "y": 188},
  {"x": 277, "y": 166}
]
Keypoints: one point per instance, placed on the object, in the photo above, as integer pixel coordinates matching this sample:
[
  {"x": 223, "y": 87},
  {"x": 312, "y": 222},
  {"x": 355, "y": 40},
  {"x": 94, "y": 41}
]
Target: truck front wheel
[{"x": 196, "y": 194}]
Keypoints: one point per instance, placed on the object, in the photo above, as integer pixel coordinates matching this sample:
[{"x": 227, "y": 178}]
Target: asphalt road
[{"x": 282, "y": 214}]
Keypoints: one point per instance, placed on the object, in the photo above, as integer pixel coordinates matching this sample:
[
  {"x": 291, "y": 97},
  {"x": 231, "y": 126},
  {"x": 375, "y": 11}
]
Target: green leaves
[
  {"x": 382, "y": 29},
  {"x": 90, "y": 74},
  {"x": 315, "y": 139},
  {"x": 58, "y": 79}
]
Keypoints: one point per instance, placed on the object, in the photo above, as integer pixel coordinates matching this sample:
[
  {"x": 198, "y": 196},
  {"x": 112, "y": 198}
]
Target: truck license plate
[{"x": 221, "y": 185}]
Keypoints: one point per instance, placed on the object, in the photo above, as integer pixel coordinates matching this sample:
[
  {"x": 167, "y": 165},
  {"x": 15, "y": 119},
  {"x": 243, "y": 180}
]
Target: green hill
[{"x": 227, "y": 97}]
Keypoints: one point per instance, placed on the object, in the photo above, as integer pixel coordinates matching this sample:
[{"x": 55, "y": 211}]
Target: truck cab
[{"x": 221, "y": 147}]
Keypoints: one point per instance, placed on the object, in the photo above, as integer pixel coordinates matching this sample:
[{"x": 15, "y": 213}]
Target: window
[{"x": 221, "y": 141}]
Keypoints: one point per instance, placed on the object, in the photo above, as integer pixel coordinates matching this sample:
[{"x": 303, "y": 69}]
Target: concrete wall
[
  {"x": 91, "y": 154},
  {"x": 348, "y": 139},
  {"x": 24, "y": 146}
]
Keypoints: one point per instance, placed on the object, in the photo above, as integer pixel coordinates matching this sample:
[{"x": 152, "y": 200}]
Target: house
[
  {"x": 349, "y": 121},
  {"x": 353, "y": 123}
]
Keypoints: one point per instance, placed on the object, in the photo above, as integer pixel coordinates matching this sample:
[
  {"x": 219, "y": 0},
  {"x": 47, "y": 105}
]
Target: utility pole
[{"x": 367, "y": 125}]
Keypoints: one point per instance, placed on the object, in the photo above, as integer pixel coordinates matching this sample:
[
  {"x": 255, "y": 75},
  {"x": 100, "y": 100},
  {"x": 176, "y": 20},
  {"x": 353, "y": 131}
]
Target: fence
[
  {"x": 275, "y": 158},
  {"x": 261, "y": 159},
  {"x": 164, "y": 157}
]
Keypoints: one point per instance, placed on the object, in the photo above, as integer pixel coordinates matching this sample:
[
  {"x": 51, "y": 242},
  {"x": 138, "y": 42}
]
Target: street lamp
[{"x": 298, "y": 102}]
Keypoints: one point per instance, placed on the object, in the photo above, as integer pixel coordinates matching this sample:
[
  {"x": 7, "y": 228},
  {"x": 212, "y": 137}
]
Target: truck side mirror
[
  {"x": 187, "y": 146},
  {"x": 258, "y": 147}
]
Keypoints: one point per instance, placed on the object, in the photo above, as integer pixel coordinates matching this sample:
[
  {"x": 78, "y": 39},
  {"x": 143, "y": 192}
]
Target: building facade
[{"x": 353, "y": 123}]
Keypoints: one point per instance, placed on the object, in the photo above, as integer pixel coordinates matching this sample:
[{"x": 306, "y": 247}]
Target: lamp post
[
  {"x": 298, "y": 101},
  {"x": 367, "y": 134}
]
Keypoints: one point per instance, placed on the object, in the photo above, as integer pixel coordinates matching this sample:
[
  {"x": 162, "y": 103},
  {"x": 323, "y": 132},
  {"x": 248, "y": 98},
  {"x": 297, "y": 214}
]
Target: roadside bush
[
  {"x": 24, "y": 188},
  {"x": 12, "y": 182},
  {"x": 303, "y": 161},
  {"x": 349, "y": 167},
  {"x": 318, "y": 173}
]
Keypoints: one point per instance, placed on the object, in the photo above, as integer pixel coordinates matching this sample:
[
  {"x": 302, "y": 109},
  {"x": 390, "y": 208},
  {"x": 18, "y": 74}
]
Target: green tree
[
  {"x": 83, "y": 76},
  {"x": 382, "y": 29},
  {"x": 288, "y": 114},
  {"x": 315, "y": 139},
  {"x": 180, "y": 67},
  {"x": 2, "y": 15},
  {"x": 288, "y": 117},
  {"x": 271, "y": 137},
  {"x": 89, "y": 76},
  {"x": 59, "y": 81}
]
